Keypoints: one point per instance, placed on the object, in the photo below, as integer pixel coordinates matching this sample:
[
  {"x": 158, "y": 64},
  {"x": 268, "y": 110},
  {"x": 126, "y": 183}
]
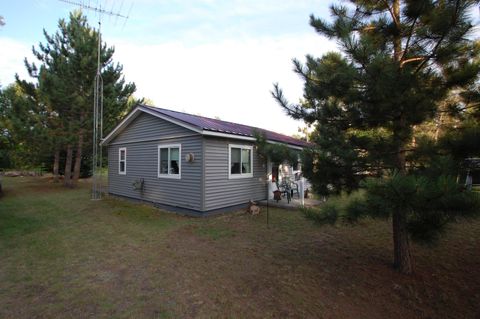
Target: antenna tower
[{"x": 97, "y": 156}]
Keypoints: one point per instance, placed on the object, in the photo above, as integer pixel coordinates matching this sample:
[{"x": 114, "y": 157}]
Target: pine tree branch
[
  {"x": 300, "y": 71},
  {"x": 442, "y": 37},
  {"x": 402, "y": 63},
  {"x": 461, "y": 109},
  {"x": 292, "y": 110},
  {"x": 368, "y": 28},
  {"x": 409, "y": 38}
]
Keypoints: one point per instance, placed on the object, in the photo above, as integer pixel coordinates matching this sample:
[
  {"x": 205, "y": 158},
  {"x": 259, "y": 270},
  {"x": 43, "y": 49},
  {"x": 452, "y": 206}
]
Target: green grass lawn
[{"x": 65, "y": 256}]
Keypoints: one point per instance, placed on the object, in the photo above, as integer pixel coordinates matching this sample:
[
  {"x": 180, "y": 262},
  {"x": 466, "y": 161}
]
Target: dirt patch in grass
[
  {"x": 113, "y": 258},
  {"x": 263, "y": 273}
]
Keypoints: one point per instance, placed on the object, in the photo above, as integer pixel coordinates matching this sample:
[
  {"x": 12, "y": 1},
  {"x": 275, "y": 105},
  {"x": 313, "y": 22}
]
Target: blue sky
[{"x": 209, "y": 57}]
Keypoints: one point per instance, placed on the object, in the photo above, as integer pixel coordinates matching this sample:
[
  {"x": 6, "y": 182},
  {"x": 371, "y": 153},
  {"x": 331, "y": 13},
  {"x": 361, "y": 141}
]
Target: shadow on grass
[{"x": 12, "y": 225}]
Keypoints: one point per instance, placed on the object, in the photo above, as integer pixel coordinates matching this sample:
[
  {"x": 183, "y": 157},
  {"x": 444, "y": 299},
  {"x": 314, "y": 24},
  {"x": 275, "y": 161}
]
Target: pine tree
[
  {"x": 23, "y": 128},
  {"x": 65, "y": 85},
  {"x": 400, "y": 61}
]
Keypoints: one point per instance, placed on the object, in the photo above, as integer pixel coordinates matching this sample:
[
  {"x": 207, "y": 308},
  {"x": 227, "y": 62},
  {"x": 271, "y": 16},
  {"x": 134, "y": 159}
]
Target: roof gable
[{"x": 207, "y": 126}]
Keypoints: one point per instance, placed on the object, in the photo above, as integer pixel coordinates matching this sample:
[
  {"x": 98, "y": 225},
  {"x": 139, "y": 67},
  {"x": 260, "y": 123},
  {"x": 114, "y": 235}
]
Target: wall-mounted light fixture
[{"x": 189, "y": 157}]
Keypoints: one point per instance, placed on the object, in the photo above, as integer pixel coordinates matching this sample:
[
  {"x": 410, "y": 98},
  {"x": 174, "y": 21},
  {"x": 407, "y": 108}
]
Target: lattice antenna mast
[{"x": 97, "y": 156}]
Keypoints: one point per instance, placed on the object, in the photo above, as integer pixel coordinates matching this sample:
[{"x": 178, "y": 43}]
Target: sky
[{"x": 216, "y": 58}]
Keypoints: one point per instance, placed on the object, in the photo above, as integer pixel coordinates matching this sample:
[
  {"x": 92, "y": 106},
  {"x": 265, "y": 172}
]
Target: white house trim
[
  {"x": 163, "y": 138},
  {"x": 241, "y": 175},
  {"x": 227, "y": 135},
  {"x": 246, "y": 138},
  {"x": 288, "y": 145},
  {"x": 124, "y": 172},
  {"x": 168, "y": 175}
]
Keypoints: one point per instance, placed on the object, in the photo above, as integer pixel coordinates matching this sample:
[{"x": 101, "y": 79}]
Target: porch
[{"x": 286, "y": 186}]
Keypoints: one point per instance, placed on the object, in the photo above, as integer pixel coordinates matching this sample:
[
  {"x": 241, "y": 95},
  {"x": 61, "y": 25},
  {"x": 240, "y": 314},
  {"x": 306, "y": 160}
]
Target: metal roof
[{"x": 235, "y": 129}]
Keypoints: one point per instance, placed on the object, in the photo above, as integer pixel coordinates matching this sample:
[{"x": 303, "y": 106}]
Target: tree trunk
[
  {"x": 397, "y": 40},
  {"x": 78, "y": 159},
  {"x": 56, "y": 164},
  {"x": 439, "y": 127},
  {"x": 68, "y": 167},
  {"x": 403, "y": 260}
]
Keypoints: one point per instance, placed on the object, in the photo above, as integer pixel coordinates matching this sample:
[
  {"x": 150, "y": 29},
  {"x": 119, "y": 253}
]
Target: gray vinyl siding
[
  {"x": 223, "y": 192},
  {"x": 204, "y": 183},
  {"x": 142, "y": 162},
  {"x": 147, "y": 126}
]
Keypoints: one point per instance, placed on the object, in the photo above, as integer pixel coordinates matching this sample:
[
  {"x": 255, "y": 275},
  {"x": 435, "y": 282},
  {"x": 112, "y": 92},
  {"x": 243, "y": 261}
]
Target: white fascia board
[
  {"x": 295, "y": 147},
  {"x": 246, "y": 138},
  {"x": 232, "y": 136}
]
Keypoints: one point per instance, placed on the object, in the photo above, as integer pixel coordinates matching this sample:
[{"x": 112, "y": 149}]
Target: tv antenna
[{"x": 97, "y": 155}]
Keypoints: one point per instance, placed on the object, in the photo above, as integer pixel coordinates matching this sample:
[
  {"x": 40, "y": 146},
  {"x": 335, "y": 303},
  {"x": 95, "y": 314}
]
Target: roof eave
[
  {"x": 138, "y": 109},
  {"x": 246, "y": 138}
]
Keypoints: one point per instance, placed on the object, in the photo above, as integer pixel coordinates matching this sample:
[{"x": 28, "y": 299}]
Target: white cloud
[
  {"x": 12, "y": 54},
  {"x": 231, "y": 79}
]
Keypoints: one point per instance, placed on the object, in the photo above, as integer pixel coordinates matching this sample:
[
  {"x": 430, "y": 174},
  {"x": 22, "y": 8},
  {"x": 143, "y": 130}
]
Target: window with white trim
[
  {"x": 169, "y": 161},
  {"x": 240, "y": 161},
  {"x": 122, "y": 161}
]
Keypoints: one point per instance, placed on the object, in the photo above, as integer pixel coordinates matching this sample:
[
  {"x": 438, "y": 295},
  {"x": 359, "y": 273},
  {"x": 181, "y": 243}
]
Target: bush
[{"x": 430, "y": 204}]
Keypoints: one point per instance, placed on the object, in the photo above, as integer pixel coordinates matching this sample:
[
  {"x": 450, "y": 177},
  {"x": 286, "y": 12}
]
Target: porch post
[
  {"x": 269, "y": 179},
  {"x": 301, "y": 189}
]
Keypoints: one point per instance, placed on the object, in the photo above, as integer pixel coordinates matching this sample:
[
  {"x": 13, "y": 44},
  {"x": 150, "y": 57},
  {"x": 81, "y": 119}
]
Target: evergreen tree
[
  {"x": 5, "y": 137},
  {"x": 23, "y": 129},
  {"x": 463, "y": 138},
  {"x": 65, "y": 85},
  {"x": 400, "y": 61}
]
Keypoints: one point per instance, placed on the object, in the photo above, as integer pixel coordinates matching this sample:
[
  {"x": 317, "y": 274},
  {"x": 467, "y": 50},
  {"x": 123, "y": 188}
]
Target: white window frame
[
  {"x": 240, "y": 175},
  {"x": 169, "y": 175},
  {"x": 120, "y": 160}
]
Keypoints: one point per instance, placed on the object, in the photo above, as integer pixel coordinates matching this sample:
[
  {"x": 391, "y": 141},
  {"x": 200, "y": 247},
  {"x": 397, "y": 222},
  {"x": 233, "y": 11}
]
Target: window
[
  {"x": 122, "y": 161},
  {"x": 169, "y": 161},
  {"x": 240, "y": 161}
]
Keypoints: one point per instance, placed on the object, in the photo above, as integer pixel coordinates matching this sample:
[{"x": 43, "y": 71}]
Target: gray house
[{"x": 187, "y": 162}]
